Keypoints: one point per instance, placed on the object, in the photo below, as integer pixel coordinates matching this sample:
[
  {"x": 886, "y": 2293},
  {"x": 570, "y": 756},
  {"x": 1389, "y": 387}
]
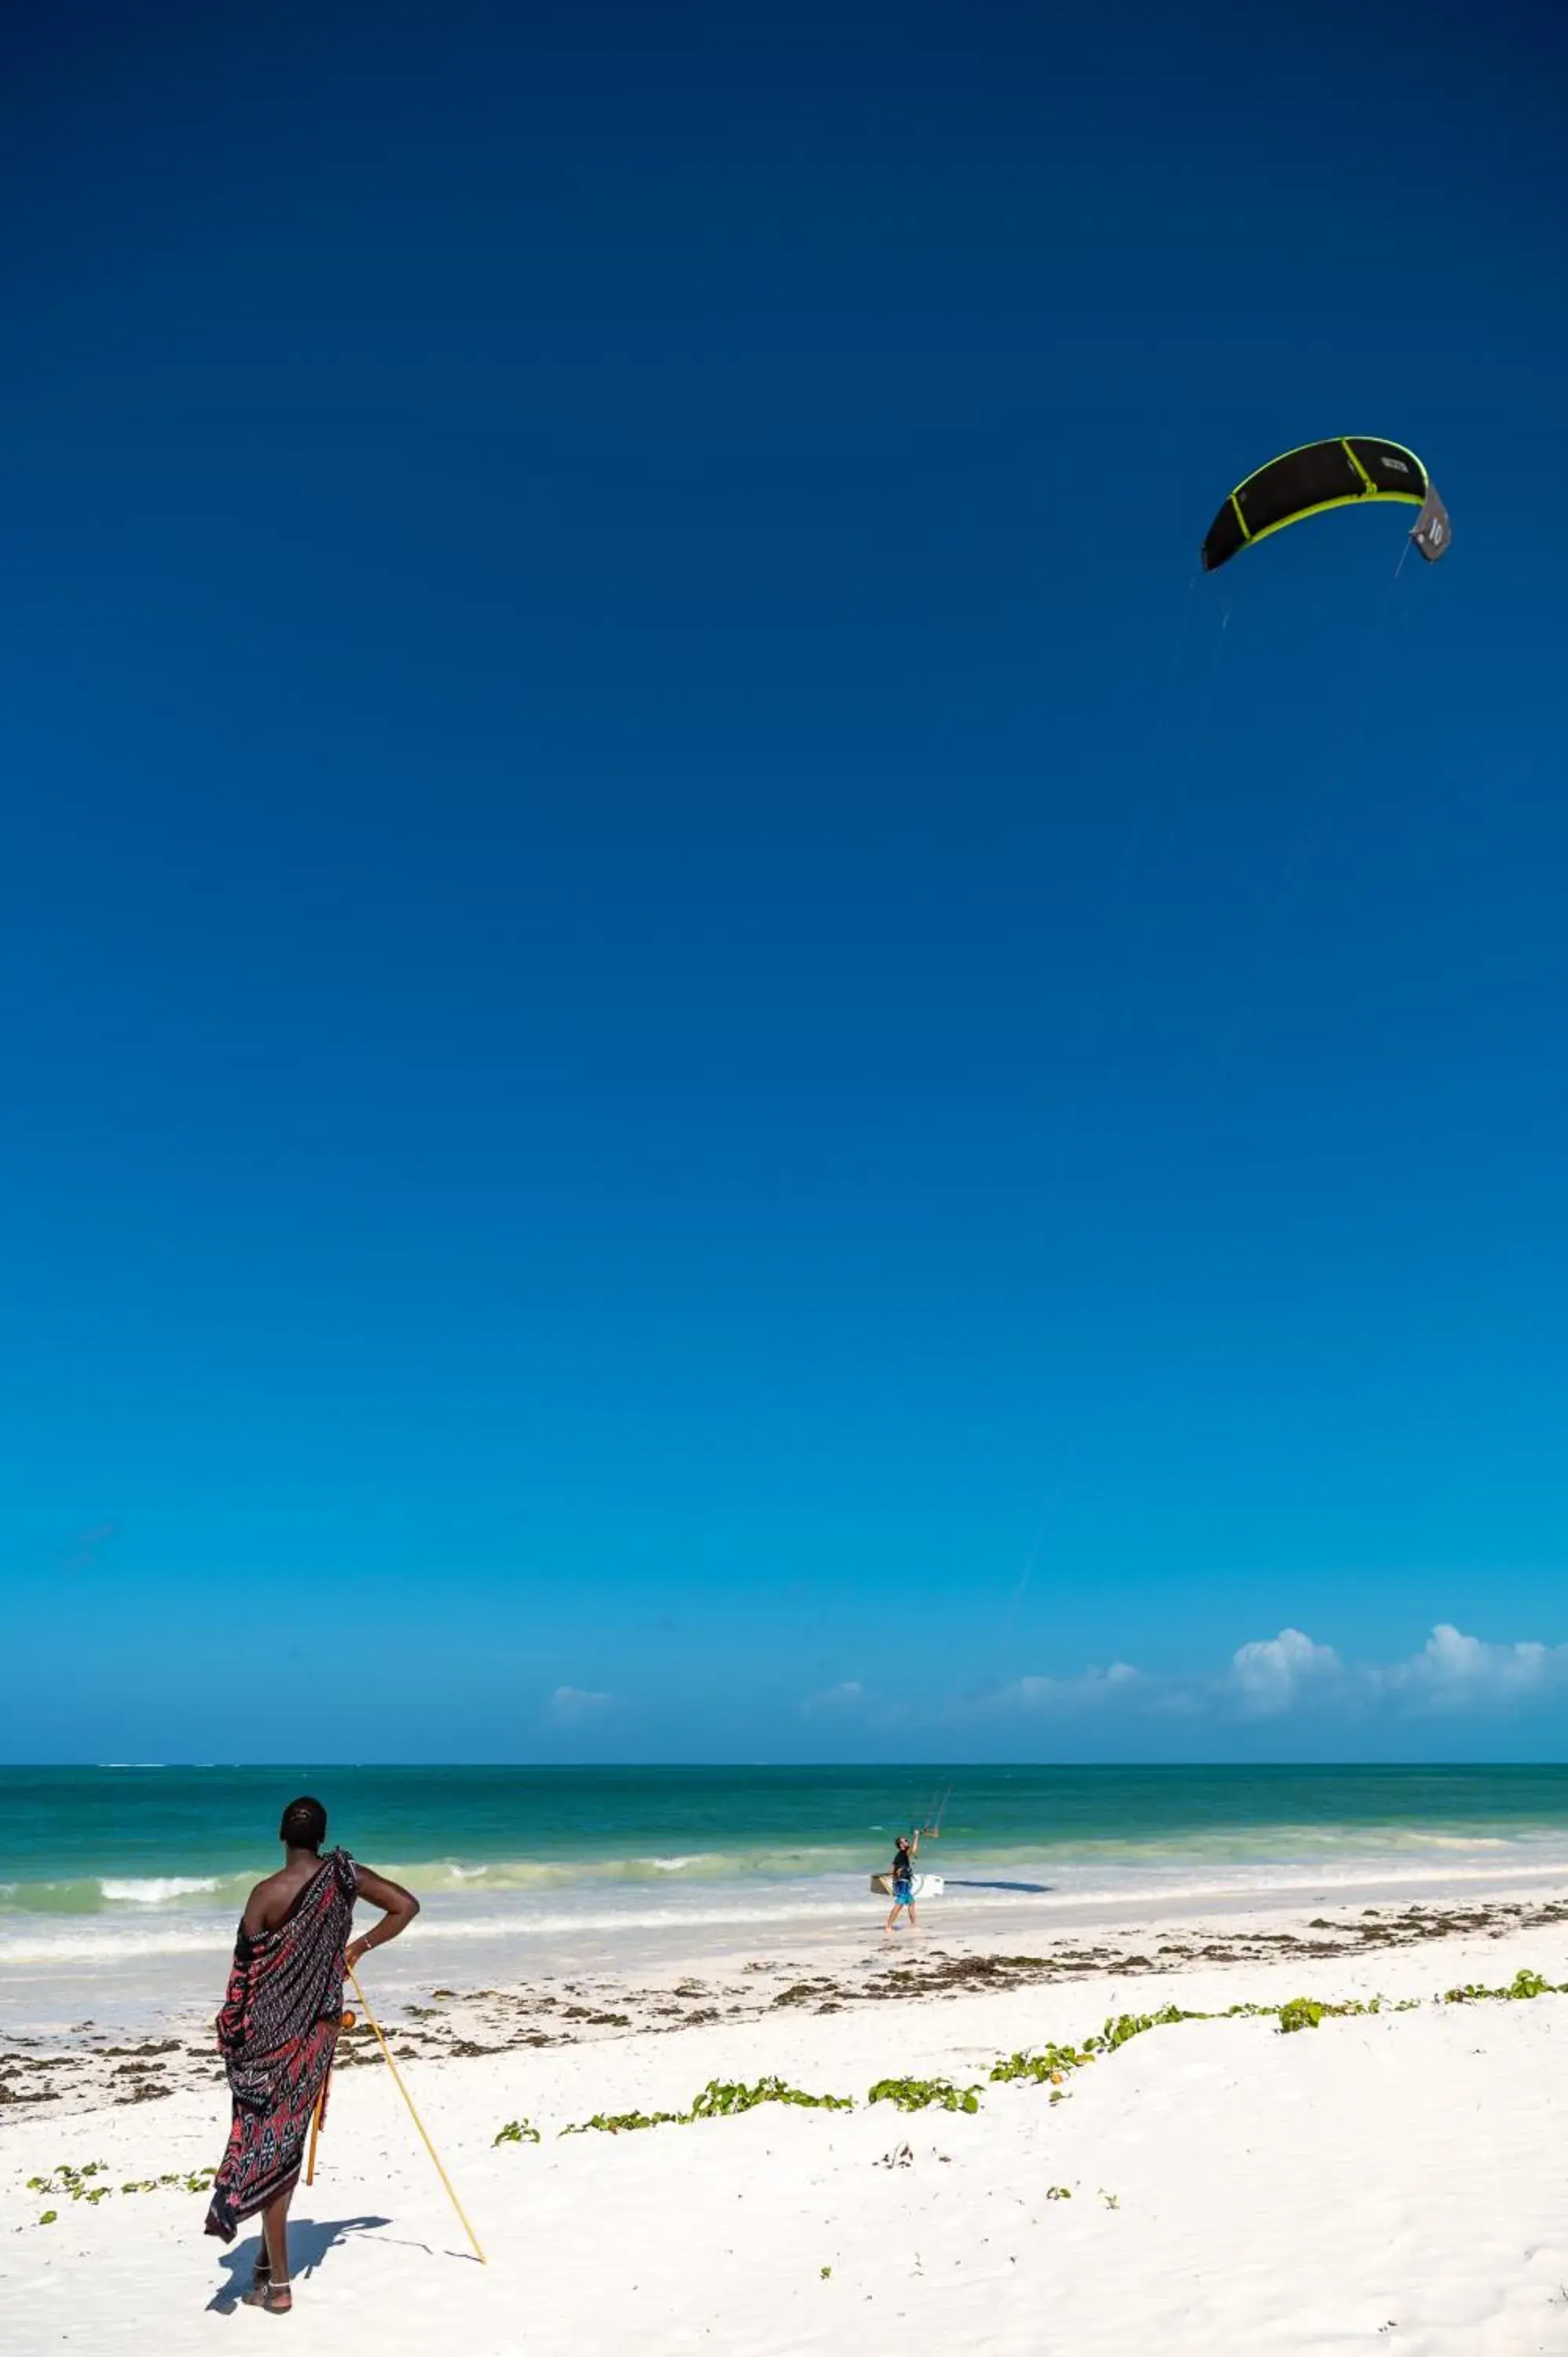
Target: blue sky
[{"x": 698, "y": 1060}]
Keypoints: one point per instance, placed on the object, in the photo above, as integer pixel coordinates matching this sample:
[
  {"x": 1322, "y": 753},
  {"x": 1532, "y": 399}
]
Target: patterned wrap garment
[{"x": 278, "y": 2030}]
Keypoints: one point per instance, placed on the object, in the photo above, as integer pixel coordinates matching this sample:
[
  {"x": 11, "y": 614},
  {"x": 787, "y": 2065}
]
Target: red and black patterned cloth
[{"x": 278, "y": 2030}]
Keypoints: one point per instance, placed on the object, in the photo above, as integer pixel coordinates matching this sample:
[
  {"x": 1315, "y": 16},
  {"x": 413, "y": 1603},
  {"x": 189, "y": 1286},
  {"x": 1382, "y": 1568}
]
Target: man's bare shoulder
[{"x": 268, "y": 1901}]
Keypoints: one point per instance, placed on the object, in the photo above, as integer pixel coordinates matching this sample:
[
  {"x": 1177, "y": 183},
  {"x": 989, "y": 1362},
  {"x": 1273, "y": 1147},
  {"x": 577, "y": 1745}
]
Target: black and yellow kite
[{"x": 1323, "y": 475}]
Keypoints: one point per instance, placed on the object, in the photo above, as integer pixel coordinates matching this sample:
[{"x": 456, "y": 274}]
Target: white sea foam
[
  {"x": 124, "y": 1961},
  {"x": 153, "y": 1889},
  {"x": 110, "y": 1946},
  {"x": 847, "y": 1900},
  {"x": 520, "y": 1875}
]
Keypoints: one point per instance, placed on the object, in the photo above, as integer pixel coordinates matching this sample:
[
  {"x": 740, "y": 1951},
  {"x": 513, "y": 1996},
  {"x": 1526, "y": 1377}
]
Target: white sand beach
[{"x": 1390, "y": 2179}]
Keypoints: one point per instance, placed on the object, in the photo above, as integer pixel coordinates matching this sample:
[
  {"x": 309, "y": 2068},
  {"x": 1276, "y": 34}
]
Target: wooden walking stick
[
  {"x": 318, "y": 2115},
  {"x": 419, "y": 2124}
]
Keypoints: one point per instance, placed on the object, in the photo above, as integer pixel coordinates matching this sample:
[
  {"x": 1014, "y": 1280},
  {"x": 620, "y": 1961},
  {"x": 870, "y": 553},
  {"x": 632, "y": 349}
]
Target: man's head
[{"x": 304, "y": 1824}]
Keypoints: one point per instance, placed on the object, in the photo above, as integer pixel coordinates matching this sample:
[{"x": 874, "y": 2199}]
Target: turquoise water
[
  {"x": 141, "y": 1843},
  {"x": 120, "y": 1887}
]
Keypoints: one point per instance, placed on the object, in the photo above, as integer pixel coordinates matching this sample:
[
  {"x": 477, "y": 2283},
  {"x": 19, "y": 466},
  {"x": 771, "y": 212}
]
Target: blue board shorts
[{"x": 903, "y": 1890}]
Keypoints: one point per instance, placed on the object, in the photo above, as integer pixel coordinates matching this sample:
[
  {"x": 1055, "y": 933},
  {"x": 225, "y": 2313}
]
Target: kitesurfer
[{"x": 903, "y": 1879}]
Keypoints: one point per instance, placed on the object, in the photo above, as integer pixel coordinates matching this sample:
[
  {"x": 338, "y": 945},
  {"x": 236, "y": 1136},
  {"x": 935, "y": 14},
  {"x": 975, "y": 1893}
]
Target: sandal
[{"x": 275, "y": 2297}]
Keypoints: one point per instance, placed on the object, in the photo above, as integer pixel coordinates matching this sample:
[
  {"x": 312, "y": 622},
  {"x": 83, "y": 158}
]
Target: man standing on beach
[
  {"x": 904, "y": 1857},
  {"x": 279, "y": 2025}
]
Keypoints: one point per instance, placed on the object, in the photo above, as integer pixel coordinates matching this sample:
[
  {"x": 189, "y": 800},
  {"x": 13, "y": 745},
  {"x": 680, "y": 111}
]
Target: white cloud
[
  {"x": 1452, "y": 1671},
  {"x": 1272, "y": 1673},
  {"x": 1271, "y": 1676},
  {"x": 844, "y": 1696},
  {"x": 1088, "y": 1690},
  {"x": 576, "y": 1702}
]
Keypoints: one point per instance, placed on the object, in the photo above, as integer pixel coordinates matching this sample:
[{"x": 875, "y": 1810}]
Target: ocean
[{"x": 120, "y": 1886}]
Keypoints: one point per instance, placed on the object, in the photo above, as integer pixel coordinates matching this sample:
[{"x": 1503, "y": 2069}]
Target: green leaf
[{"x": 921, "y": 2094}]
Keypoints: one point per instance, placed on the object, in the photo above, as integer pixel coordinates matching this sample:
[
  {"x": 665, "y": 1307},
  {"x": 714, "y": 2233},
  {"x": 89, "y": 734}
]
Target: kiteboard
[{"x": 922, "y": 1886}]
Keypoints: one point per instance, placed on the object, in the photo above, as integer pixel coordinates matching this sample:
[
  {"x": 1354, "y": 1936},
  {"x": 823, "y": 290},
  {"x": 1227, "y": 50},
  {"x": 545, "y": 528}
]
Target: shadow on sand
[
  {"x": 309, "y": 2240},
  {"x": 1034, "y": 1889}
]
